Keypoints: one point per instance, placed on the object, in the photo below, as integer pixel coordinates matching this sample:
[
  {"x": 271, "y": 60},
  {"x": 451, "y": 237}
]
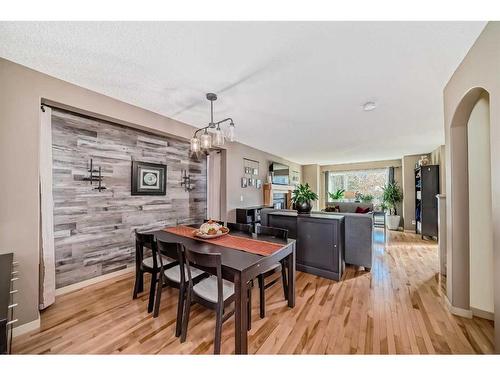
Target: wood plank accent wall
[{"x": 94, "y": 231}]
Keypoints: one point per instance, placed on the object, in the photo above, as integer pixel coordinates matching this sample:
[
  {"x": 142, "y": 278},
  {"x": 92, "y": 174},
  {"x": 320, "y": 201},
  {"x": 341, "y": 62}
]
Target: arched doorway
[
  {"x": 465, "y": 234},
  {"x": 480, "y": 210}
]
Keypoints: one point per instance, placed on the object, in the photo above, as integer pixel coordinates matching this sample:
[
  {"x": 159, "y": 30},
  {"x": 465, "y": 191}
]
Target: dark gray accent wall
[{"x": 94, "y": 230}]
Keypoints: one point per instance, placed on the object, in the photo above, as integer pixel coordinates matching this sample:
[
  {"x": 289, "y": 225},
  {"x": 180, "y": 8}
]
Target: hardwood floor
[{"x": 396, "y": 308}]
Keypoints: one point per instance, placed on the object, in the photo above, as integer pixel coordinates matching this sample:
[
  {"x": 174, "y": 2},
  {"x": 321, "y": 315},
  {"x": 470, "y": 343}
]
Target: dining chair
[
  {"x": 171, "y": 275},
  {"x": 281, "y": 234},
  {"x": 149, "y": 265},
  {"x": 212, "y": 292},
  {"x": 247, "y": 228}
]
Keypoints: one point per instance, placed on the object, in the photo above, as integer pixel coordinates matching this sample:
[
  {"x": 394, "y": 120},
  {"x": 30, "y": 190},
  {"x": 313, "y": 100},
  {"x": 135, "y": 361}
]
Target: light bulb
[
  {"x": 218, "y": 137},
  {"x": 206, "y": 141},
  {"x": 231, "y": 136},
  {"x": 195, "y": 144}
]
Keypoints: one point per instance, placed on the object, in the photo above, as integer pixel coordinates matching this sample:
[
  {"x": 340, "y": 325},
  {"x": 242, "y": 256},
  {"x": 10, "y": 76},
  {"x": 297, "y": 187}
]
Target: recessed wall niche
[{"x": 94, "y": 231}]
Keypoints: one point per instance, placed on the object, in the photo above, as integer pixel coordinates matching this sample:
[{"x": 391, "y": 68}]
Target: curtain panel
[{"x": 47, "y": 274}]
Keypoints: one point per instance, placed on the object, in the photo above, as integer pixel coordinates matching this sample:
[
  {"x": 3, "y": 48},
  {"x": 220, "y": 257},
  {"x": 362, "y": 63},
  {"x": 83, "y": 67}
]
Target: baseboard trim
[
  {"x": 27, "y": 327},
  {"x": 95, "y": 280},
  {"x": 483, "y": 314},
  {"x": 464, "y": 313}
]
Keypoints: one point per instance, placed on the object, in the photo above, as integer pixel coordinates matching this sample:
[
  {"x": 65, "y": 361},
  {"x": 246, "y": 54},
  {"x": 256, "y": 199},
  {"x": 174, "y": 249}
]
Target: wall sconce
[
  {"x": 95, "y": 176},
  {"x": 186, "y": 181}
]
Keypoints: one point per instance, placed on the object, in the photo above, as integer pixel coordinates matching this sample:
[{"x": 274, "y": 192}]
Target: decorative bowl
[{"x": 199, "y": 234}]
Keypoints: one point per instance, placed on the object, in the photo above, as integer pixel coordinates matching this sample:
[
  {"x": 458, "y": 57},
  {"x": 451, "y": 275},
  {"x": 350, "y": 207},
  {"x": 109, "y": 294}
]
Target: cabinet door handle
[
  {"x": 11, "y": 322},
  {"x": 12, "y": 306}
]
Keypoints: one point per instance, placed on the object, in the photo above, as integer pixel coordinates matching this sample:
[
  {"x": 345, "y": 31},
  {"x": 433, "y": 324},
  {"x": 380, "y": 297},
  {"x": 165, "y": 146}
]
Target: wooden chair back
[
  {"x": 172, "y": 250},
  {"x": 271, "y": 231},
  {"x": 211, "y": 262},
  {"x": 146, "y": 240},
  {"x": 247, "y": 228}
]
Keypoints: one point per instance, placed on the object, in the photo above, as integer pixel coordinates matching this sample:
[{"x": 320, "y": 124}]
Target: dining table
[{"x": 241, "y": 267}]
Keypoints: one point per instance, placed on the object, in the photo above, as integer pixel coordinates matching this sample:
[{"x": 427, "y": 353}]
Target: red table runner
[{"x": 234, "y": 242}]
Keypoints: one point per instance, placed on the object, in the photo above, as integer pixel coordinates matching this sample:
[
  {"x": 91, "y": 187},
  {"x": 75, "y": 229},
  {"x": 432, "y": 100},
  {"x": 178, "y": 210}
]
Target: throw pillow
[
  {"x": 332, "y": 209},
  {"x": 360, "y": 210}
]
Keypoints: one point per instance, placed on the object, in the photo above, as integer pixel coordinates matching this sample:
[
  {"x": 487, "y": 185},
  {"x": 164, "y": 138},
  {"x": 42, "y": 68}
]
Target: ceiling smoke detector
[{"x": 369, "y": 106}]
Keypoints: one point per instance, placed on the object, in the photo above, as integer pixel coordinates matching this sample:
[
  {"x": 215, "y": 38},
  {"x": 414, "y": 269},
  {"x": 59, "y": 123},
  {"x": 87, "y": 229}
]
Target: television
[{"x": 280, "y": 174}]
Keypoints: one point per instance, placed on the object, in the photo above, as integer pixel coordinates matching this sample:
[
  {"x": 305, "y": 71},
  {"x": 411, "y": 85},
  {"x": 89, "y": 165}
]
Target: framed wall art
[
  {"x": 148, "y": 178},
  {"x": 251, "y": 167}
]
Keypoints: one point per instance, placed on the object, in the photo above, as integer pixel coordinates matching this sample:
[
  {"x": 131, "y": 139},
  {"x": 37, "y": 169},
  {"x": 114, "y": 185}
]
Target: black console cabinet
[
  {"x": 320, "y": 241},
  {"x": 6, "y": 306},
  {"x": 426, "y": 209},
  {"x": 249, "y": 215}
]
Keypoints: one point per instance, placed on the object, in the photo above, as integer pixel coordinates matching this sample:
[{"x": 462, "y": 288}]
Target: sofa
[
  {"x": 358, "y": 232},
  {"x": 349, "y": 207}
]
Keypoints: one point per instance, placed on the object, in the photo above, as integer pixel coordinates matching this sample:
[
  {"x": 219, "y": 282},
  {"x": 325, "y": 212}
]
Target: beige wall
[
  {"x": 480, "y": 220},
  {"x": 408, "y": 171},
  {"x": 362, "y": 165},
  {"x": 250, "y": 196},
  {"x": 22, "y": 91},
  {"x": 479, "y": 69},
  {"x": 311, "y": 174}
]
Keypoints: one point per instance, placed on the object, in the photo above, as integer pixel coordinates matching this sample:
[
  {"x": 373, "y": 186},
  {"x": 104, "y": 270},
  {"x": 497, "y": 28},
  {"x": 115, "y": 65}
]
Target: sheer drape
[{"x": 47, "y": 253}]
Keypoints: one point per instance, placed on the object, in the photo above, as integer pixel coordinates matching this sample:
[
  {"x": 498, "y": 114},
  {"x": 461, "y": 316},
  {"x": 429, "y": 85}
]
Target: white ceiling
[{"x": 294, "y": 89}]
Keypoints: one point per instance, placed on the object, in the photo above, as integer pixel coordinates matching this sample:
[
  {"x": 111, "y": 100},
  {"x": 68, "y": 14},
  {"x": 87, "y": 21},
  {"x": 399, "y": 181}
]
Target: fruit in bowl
[{"x": 211, "y": 229}]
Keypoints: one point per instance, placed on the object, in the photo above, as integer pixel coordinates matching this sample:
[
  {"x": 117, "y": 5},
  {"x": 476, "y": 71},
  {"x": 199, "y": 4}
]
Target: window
[{"x": 369, "y": 181}]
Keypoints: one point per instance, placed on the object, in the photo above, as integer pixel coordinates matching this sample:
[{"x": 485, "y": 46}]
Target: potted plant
[
  {"x": 302, "y": 197},
  {"x": 391, "y": 196},
  {"x": 358, "y": 196},
  {"x": 338, "y": 195},
  {"x": 367, "y": 198},
  {"x": 383, "y": 206}
]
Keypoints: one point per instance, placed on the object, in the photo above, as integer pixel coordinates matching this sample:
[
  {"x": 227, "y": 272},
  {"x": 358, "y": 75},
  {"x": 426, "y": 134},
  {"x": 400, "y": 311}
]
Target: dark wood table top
[
  {"x": 237, "y": 260},
  {"x": 240, "y": 267}
]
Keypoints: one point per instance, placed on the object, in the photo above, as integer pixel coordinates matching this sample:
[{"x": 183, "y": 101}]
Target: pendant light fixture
[
  {"x": 231, "y": 132},
  {"x": 218, "y": 137},
  {"x": 207, "y": 140},
  {"x": 195, "y": 144}
]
